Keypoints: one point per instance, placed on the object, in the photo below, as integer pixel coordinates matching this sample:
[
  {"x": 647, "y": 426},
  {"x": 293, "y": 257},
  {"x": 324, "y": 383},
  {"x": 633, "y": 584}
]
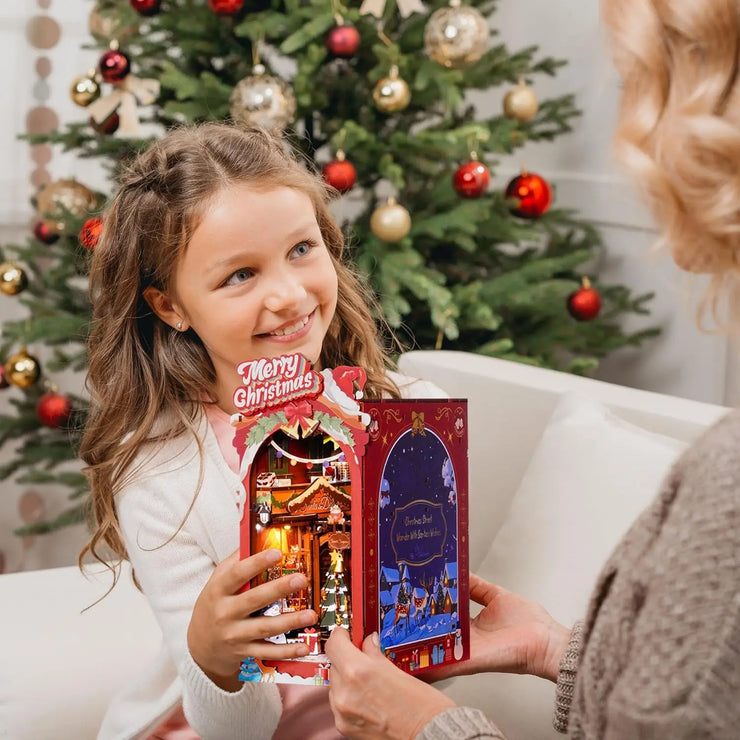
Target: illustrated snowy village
[{"x": 368, "y": 499}]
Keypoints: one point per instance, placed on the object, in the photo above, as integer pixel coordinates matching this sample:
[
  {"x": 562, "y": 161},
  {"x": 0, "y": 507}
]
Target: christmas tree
[
  {"x": 334, "y": 602},
  {"x": 375, "y": 97}
]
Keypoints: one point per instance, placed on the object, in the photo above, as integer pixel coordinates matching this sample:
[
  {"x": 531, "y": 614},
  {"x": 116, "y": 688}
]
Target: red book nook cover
[{"x": 369, "y": 499}]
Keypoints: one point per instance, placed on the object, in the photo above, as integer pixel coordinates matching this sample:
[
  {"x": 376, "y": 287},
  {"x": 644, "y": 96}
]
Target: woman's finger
[
  {"x": 483, "y": 592},
  {"x": 371, "y": 646},
  {"x": 339, "y": 648}
]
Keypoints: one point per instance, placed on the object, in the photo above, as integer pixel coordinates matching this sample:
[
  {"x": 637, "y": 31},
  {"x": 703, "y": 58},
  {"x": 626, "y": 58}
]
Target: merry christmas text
[{"x": 274, "y": 381}]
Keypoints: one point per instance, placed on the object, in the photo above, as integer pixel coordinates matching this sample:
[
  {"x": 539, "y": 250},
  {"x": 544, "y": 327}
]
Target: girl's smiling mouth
[{"x": 291, "y": 330}]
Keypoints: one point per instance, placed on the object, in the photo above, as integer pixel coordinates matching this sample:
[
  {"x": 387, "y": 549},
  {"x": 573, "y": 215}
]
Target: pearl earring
[{"x": 178, "y": 326}]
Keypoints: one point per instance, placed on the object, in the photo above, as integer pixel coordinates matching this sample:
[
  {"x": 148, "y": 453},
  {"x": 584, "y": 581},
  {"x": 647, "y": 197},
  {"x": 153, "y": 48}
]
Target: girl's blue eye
[
  {"x": 240, "y": 276},
  {"x": 302, "y": 249}
]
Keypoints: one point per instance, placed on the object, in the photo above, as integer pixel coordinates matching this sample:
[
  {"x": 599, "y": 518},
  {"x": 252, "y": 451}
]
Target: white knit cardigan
[{"x": 172, "y": 572}]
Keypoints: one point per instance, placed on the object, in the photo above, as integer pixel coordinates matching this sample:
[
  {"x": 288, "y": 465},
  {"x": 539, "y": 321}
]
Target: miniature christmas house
[{"x": 367, "y": 499}]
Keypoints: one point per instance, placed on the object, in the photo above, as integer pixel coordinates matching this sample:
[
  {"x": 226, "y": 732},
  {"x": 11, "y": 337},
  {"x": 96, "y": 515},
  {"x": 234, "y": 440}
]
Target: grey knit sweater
[{"x": 658, "y": 655}]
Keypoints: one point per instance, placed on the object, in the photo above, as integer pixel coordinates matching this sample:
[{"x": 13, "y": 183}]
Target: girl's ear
[{"x": 163, "y": 306}]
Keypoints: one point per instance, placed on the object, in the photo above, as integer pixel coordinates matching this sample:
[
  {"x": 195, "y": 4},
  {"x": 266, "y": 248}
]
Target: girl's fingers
[
  {"x": 272, "y": 651},
  {"x": 232, "y": 573},
  {"x": 258, "y": 628},
  {"x": 258, "y": 597}
]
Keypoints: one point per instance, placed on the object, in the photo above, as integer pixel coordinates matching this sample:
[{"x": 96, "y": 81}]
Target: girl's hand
[
  {"x": 510, "y": 635},
  {"x": 222, "y": 633},
  {"x": 373, "y": 699}
]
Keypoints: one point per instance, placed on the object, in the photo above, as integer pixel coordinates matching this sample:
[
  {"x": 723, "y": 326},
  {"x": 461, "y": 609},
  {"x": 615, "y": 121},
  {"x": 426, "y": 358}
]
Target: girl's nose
[{"x": 284, "y": 291}]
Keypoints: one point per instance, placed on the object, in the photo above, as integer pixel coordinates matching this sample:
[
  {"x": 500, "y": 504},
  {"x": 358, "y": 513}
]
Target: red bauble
[
  {"x": 340, "y": 173},
  {"x": 114, "y": 65},
  {"x": 90, "y": 232},
  {"x": 146, "y": 7},
  {"x": 226, "y": 7},
  {"x": 108, "y": 126},
  {"x": 533, "y": 193},
  {"x": 44, "y": 233},
  {"x": 343, "y": 40},
  {"x": 3, "y": 378},
  {"x": 53, "y": 410},
  {"x": 585, "y": 303},
  {"x": 471, "y": 179}
]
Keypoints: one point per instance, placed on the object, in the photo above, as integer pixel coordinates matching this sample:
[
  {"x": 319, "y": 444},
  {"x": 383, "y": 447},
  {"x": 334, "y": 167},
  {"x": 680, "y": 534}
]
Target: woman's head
[
  {"x": 212, "y": 210},
  {"x": 679, "y": 121}
]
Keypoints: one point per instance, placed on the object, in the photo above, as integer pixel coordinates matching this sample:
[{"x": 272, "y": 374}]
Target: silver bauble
[
  {"x": 263, "y": 100},
  {"x": 456, "y": 36}
]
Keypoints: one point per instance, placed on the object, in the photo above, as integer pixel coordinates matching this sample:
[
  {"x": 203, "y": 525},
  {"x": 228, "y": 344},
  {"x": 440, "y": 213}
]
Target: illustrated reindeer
[
  {"x": 420, "y": 600},
  {"x": 402, "y": 612}
]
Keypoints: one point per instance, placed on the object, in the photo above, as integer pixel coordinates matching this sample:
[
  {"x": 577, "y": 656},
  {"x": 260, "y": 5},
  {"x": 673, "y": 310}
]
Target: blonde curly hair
[{"x": 679, "y": 128}]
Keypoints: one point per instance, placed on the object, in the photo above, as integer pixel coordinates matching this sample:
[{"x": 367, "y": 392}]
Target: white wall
[
  {"x": 17, "y": 70},
  {"x": 682, "y": 362}
]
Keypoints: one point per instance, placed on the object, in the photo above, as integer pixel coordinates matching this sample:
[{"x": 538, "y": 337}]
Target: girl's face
[{"x": 256, "y": 280}]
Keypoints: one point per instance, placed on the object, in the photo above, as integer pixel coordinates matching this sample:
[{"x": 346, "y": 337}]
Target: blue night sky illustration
[{"x": 418, "y": 467}]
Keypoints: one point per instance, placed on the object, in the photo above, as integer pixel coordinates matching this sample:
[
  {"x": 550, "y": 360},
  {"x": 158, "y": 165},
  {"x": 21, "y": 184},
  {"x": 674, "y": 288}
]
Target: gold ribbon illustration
[{"x": 417, "y": 424}]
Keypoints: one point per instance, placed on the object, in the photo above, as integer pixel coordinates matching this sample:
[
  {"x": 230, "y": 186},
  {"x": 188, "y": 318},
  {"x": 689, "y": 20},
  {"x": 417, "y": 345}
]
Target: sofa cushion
[
  {"x": 62, "y": 655},
  {"x": 589, "y": 478}
]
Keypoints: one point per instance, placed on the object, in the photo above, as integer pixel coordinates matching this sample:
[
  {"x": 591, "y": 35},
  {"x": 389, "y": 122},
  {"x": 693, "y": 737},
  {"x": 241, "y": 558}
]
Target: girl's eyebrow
[
  {"x": 241, "y": 258},
  {"x": 231, "y": 260}
]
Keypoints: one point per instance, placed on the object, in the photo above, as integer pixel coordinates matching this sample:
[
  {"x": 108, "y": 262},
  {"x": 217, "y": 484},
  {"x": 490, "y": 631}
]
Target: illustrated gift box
[{"x": 368, "y": 499}]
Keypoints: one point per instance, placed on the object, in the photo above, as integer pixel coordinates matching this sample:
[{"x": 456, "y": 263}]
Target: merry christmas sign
[{"x": 368, "y": 499}]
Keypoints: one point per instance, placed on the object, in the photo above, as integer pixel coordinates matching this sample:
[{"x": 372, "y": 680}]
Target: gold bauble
[
  {"x": 109, "y": 24},
  {"x": 84, "y": 90},
  {"x": 64, "y": 194},
  {"x": 13, "y": 279},
  {"x": 263, "y": 100},
  {"x": 520, "y": 103},
  {"x": 391, "y": 94},
  {"x": 22, "y": 370},
  {"x": 456, "y": 36},
  {"x": 390, "y": 222}
]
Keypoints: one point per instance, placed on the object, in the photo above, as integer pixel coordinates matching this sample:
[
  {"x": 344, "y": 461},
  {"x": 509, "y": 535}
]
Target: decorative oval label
[{"x": 418, "y": 532}]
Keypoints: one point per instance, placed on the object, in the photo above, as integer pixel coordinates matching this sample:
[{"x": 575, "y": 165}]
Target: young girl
[{"x": 218, "y": 248}]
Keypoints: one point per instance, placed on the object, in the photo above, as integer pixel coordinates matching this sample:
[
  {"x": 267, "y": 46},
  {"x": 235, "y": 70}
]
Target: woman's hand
[
  {"x": 371, "y": 698},
  {"x": 510, "y": 635},
  {"x": 222, "y": 633}
]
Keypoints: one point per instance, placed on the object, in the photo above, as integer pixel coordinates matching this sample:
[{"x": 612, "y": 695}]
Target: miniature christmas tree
[{"x": 334, "y": 599}]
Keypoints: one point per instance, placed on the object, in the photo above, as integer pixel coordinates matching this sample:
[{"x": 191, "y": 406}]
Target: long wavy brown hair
[
  {"x": 679, "y": 128},
  {"x": 146, "y": 380}
]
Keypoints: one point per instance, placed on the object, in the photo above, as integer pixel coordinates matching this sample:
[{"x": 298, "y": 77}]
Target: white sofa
[{"x": 59, "y": 664}]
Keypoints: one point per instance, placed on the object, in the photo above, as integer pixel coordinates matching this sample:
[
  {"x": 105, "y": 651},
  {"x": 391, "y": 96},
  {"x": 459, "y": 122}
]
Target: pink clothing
[
  {"x": 175, "y": 727},
  {"x": 306, "y": 711},
  {"x": 306, "y": 714},
  {"x": 221, "y": 425}
]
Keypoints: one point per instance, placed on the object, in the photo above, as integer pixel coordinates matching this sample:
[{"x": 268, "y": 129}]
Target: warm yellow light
[
  {"x": 273, "y": 539},
  {"x": 287, "y": 526}
]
